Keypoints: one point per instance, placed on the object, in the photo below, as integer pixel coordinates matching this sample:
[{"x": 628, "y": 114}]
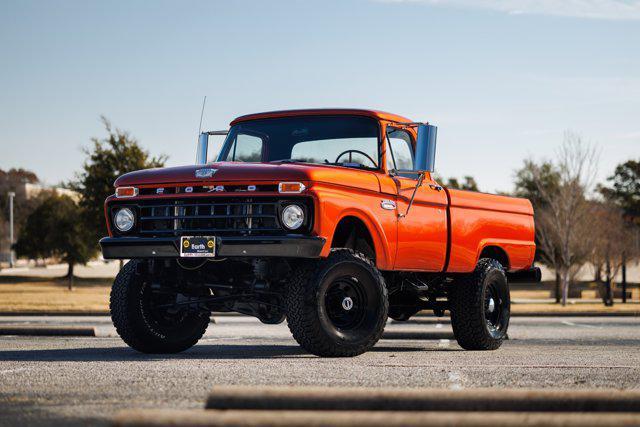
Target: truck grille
[{"x": 218, "y": 216}]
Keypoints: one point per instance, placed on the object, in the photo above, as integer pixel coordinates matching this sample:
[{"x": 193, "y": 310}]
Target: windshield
[{"x": 350, "y": 141}]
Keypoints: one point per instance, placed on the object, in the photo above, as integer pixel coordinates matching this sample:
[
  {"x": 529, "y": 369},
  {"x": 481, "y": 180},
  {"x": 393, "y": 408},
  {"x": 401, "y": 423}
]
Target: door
[{"x": 422, "y": 233}]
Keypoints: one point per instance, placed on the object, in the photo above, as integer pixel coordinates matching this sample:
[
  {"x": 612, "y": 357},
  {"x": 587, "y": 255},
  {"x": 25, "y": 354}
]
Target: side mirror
[
  {"x": 203, "y": 145},
  {"x": 425, "y": 148},
  {"x": 201, "y": 150}
]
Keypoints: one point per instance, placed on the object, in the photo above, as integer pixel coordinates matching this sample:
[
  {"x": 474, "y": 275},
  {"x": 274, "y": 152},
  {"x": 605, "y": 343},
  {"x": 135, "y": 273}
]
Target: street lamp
[{"x": 11, "y": 196}]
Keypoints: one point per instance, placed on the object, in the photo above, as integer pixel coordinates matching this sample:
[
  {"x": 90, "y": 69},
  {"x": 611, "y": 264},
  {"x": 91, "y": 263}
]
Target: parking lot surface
[{"x": 79, "y": 380}]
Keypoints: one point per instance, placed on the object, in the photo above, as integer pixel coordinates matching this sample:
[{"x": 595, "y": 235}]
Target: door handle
[{"x": 435, "y": 187}]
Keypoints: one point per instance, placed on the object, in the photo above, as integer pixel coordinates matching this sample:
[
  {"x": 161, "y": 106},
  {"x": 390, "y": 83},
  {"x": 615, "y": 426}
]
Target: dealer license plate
[{"x": 197, "y": 246}]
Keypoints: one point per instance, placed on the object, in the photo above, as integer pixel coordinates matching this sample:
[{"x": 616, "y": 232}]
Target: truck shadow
[{"x": 202, "y": 351}]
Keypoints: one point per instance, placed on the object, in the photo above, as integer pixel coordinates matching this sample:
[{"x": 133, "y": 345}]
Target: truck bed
[{"x": 480, "y": 220}]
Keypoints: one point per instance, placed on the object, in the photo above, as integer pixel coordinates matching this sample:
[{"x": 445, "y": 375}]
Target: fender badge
[{"x": 205, "y": 173}]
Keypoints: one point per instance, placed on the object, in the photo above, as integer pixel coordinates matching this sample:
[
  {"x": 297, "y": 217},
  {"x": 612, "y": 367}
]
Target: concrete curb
[
  {"x": 371, "y": 399},
  {"x": 202, "y": 418},
  {"x": 54, "y": 331}
]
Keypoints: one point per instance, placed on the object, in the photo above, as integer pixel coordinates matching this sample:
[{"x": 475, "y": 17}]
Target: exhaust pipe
[{"x": 530, "y": 275}]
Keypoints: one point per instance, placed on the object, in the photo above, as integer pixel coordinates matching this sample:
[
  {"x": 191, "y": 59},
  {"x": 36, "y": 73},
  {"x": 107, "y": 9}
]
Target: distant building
[{"x": 28, "y": 191}]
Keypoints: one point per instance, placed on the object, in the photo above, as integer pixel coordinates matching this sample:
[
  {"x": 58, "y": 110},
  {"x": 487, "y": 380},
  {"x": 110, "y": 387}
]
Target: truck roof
[{"x": 322, "y": 112}]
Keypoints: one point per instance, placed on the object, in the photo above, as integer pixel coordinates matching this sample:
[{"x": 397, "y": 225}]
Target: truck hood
[{"x": 251, "y": 173}]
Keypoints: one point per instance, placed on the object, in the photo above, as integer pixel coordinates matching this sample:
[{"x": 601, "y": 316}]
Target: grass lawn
[{"x": 44, "y": 295}]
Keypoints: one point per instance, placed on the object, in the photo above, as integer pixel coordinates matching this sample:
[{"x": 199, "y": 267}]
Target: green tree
[
  {"x": 624, "y": 193},
  {"x": 468, "y": 184},
  {"x": 107, "y": 159},
  {"x": 625, "y": 189},
  {"x": 55, "y": 229},
  {"x": 531, "y": 177}
]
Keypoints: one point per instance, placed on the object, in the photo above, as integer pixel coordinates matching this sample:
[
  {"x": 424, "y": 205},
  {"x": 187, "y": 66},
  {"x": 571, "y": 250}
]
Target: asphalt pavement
[{"x": 79, "y": 380}]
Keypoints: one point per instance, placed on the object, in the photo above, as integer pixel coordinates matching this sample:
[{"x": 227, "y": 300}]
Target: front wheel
[
  {"x": 480, "y": 307},
  {"x": 338, "y": 306},
  {"x": 147, "y": 318}
]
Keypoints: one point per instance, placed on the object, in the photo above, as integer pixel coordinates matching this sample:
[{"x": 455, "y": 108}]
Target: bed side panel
[{"x": 479, "y": 220}]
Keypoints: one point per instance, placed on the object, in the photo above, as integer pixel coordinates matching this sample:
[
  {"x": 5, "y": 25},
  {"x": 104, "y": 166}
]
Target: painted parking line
[
  {"x": 454, "y": 379},
  {"x": 566, "y": 322},
  {"x": 443, "y": 343}
]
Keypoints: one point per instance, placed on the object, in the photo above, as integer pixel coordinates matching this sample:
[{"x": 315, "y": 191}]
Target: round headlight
[
  {"x": 292, "y": 217},
  {"x": 124, "y": 219}
]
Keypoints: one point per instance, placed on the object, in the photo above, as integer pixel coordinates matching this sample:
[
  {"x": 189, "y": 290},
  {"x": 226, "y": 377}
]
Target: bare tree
[
  {"x": 613, "y": 244},
  {"x": 563, "y": 223}
]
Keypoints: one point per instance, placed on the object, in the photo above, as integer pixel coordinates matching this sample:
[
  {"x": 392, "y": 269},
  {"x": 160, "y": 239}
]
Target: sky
[{"x": 502, "y": 80}]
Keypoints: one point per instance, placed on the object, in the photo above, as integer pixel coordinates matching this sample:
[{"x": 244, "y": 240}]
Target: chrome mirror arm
[{"x": 421, "y": 176}]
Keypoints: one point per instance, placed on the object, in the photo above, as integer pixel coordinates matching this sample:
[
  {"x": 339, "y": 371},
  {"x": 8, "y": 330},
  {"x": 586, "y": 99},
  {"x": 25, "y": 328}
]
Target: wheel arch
[
  {"x": 357, "y": 232},
  {"x": 497, "y": 253}
]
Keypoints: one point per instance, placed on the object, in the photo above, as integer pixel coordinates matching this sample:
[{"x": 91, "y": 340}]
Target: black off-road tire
[
  {"x": 469, "y": 308},
  {"x": 135, "y": 325},
  {"x": 308, "y": 315}
]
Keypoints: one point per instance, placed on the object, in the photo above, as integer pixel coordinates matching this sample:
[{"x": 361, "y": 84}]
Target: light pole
[{"x": 11, "y": 196}]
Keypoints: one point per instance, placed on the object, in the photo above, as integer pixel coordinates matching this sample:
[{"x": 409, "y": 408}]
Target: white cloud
[{"x": 593, "y": 9}]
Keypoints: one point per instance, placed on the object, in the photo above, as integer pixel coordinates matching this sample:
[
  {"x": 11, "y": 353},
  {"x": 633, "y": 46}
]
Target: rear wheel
[
  {"x": 480, "y": 307},
  {"x": 147, "y": 319},
  {"x": 338, "y": 306}
]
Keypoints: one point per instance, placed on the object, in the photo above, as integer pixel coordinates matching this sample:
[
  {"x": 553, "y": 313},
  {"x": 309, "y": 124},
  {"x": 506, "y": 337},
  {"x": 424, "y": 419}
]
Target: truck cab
[{"x": 330, "y": 219}]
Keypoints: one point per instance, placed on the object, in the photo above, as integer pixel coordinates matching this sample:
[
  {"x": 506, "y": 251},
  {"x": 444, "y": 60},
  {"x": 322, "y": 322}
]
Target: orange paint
[{"x": 418, "y": 242}]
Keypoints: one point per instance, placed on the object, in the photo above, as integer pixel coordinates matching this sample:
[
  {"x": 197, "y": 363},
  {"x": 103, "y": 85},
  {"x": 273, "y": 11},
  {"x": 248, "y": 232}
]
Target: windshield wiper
[
  {"x": 288, "y": 161},
  {"x": 355, "y": 165}
]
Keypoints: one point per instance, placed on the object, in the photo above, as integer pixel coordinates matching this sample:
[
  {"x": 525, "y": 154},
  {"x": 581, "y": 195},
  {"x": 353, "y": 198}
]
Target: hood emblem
[{"x": 205, "y": 173}]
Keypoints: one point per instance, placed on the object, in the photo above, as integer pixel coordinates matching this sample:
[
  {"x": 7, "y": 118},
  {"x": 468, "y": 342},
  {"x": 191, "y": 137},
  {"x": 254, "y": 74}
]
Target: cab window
[
  {"x": 400, "y": 153},
  {"x": 246, "y": 148}
]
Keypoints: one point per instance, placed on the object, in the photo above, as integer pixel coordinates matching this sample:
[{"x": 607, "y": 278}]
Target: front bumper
[{"x": 249, "y": 246}]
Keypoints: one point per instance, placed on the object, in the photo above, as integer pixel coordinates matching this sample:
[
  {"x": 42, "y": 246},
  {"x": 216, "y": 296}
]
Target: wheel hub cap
[
  {"x": 347, "y": 303},
  {"x": 492, "y": 305}
]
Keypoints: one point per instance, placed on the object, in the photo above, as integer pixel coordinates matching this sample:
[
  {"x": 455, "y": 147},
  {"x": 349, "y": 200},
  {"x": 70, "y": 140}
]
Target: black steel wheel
[
  {"x": 481, "y": 307},
  {"x": 496, "y": 310},
  {"x": 346, "y": 302},
  {"x": 337, "y": 306},
  {"x": 147, "y": 318}
]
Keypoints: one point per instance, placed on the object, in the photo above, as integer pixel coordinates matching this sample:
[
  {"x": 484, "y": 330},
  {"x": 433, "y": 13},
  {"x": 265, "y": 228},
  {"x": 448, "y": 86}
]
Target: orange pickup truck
[{"x": 328, "y": 218}]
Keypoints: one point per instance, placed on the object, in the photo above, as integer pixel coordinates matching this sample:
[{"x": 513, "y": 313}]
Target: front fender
[{"x": 337, "y": 204}]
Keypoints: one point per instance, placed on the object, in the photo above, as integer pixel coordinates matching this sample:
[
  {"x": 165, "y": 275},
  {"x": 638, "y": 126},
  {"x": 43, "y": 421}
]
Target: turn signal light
[
  {"x": 291, "y": 187},
  {"x": 126, "y": 192}
]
